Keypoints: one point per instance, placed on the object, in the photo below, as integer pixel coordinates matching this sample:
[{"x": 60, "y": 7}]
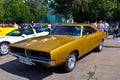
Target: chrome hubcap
[
  {"x": 4, "y": 49},
  {"x": 101, "y": 45},
  {"x": 71, "y": 62}
]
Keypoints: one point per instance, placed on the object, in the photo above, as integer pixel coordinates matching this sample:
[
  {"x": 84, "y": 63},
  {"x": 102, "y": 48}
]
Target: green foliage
[
  {"x": 40, "y": 12},
  {"x": 38, "y": 8},
  {"x": 88, "y": 9},
  {"x": 102, "y": 9},
  {"x": 62, "y": 7},
  {"x": 22, "y": 10},
  {"x": 16, "y": 11},
  {"x": 81, "y": 10},
  {"x": 81, "y": 7},
  {"x": 1, "y": 11}
]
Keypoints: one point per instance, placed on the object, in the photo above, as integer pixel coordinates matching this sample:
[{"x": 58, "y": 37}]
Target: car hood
[{"x": 45, "y": 43}]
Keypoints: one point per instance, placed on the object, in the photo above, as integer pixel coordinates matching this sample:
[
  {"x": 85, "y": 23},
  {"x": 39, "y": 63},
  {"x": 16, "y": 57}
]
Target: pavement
[{"x": 104, "y": 65}]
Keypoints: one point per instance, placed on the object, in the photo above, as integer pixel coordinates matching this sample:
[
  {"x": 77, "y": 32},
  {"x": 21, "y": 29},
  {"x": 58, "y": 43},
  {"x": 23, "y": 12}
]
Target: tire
[
  {"x": 100, "y": 47},
  {"x": 4, "y": 48},
  {"x": 70, "y": 62}
]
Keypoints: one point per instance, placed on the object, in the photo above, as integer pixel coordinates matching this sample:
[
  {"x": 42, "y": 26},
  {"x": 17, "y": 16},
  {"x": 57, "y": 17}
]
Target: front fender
[{"x": 60, "y": 54}]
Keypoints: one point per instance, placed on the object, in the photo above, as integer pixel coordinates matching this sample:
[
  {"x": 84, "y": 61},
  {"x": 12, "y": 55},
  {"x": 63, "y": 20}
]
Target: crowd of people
[
  {"x": 104, "y": 26},
  {"x": 32, "y": 25}
]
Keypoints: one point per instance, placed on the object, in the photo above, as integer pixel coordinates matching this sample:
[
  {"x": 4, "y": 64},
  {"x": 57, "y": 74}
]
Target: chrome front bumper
[{"x": 51, "y": 63}]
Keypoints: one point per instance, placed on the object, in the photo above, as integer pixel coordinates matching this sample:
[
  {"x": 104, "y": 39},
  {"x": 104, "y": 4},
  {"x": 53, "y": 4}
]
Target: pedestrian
[
  {"x": 41, "y": 25},
  {"x": 49, "y": 26},
  {"x": 87, "y": 22},
  {"x": 100, "y": 25},
  {"x": 32, "y": 24},
  {"x": 15, "y": 25},
  {"x": 118, "y": 34},
  {"x": 115, "y": 32},
  {"x": 95, "y": 24},
  {"x": 106, "y": 27},
  {"x": 24, "y": 26}
]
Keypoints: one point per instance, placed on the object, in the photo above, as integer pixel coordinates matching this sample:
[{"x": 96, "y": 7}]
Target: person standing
[
  {"x": 32, "y": 24},
  {"x": 49, "y": 27},
  {"x": 15, "y": 25},
  {"x": 106, "y": 27},
  {"x": 95, "y": 24},
  {"x": 115, "y": 33},
  {"x": 100, "y": 25}
]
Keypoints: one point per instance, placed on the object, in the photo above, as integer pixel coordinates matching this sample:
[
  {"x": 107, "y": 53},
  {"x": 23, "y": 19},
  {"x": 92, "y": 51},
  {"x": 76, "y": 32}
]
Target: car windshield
[
  {"x": 66, "y": 30},
  {"x": 19, "y": 32}
]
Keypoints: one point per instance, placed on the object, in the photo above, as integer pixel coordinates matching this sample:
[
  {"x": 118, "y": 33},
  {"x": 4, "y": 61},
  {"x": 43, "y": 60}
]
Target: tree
[
  {"x": 102, "y": 9},
  {"x": 80, "y": 9},
  {"x": 83, "y": 10},
  {"x": 116, "y": 15},
  {"x": 38, "y": 8},
  {"x": 16, "y": 11},
  {"x": 40, "y": 12},
  {"x": 62, "y": 7},
  {"x": 1, "y": 11},
  {"x": 77, "y": 8}
]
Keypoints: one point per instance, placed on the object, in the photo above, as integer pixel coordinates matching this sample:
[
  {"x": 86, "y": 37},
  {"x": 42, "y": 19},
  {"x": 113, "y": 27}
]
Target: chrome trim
[{"x": 41, "y": 61}]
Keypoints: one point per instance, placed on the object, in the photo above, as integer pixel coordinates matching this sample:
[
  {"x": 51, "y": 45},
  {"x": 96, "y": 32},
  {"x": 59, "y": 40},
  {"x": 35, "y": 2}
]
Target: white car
[{"x": 18, "y": 35}]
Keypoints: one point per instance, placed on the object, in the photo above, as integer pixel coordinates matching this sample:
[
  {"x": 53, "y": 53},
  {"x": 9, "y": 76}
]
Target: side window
[{"x": 88, "y": 30}]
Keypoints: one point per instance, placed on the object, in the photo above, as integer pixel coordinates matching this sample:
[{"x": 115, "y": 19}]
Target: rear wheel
[
  {"x": 4, "y": 48},
  {"x": 70, "y": 62},
  {"x": 100, "y": 47}
]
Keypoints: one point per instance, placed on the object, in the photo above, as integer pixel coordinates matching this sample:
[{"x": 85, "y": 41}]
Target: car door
[{"x": 90, "y": 38}]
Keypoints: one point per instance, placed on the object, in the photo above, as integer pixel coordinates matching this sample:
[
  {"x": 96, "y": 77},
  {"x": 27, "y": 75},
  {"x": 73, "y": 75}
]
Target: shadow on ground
[
  {"x": 30, "y": 72},
  {"x": 112, "y": 46},
  {"x": 38, "y": 72}
]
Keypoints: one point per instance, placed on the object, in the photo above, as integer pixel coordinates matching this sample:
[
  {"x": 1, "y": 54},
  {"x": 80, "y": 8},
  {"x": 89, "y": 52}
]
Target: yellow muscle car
[
  {"x": 63, "y": 46},
  {"x": 4, "y": 31}
]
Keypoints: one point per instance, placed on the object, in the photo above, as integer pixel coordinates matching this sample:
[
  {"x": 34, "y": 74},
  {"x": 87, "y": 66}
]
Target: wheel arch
[
  {"x": 70, "y": 61},
  {"x": 5, "y": 42},
  {"x": 102, "y": 39},
  {"x": 76, "y": 52}
]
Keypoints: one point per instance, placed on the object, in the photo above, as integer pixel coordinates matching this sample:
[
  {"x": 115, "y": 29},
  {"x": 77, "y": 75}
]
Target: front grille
[
  {"x": 38, "y": 55},
  {"x": 30, "y": 53},
  {"x": 18, "y": 51}
]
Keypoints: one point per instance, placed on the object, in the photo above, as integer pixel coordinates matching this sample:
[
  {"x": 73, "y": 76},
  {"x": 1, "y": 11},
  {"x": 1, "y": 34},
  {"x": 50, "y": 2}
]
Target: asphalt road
[{"x": 95, "y": 66}]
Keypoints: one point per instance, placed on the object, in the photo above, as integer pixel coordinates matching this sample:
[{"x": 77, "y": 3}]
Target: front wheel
[
  {"x": 70, "y": 62},
  {"x": 4, "y": 48}
]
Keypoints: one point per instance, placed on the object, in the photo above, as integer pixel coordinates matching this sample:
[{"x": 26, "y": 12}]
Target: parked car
[
  {"x": 6, "y": 30},
  {"x": 18, "y": 35},
  {"x": 63, "y": 46}
]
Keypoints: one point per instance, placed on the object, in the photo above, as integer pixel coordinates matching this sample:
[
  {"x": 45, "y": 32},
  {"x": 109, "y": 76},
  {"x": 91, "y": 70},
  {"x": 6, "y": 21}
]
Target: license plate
[{"x": 25, "y": 60}]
